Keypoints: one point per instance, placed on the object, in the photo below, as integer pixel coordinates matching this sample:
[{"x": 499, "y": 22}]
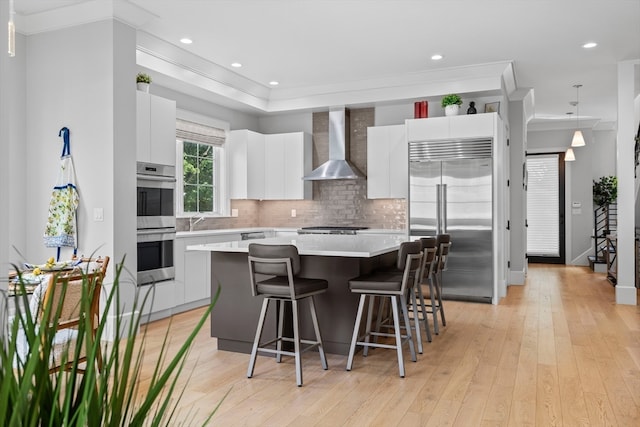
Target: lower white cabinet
[
  {"x": 387, "y": 162},
  {"x": 193, "y": 271}
]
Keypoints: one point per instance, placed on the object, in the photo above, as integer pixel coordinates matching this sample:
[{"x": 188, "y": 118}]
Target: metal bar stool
[
  {"x": 392, "y": 285},
  {"x": 282, "y": 264},
  {"x": 444, "y": 246},
  {"x": 429, "y": 262}
]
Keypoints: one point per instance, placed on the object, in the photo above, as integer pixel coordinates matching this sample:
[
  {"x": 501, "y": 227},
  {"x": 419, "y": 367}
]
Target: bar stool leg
[
  {"x": 316, "y": 327},
  {"x": 416, "y": 320},
  {"x": 296, "y": 342},
  {"x": 434, "y": 307},
  {"x": 280, "y": 305},
  {"x": 256, "y": 341},
  {"x": 356, "y": 328},
  {"x": 425, "y": 314},
  {"x": 396, "y": 328},
  {"x": 439, "y": 297},
  {"x": 367, "y": 333},
  {"x": 405, "y": 314}
]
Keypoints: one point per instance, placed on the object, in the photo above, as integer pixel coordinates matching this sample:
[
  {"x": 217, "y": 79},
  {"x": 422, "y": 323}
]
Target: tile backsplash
[{"x": 338, "y": 203}]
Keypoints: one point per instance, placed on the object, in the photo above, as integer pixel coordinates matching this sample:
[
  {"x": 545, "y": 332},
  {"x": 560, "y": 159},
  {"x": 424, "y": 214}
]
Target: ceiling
[{"x": 317, "y": 48}]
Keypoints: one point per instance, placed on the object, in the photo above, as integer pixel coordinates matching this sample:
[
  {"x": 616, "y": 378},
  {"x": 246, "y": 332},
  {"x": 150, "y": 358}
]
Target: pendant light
[
  {"x": 578, "y": 139},
  {"x": 569, "y": 156},
  {"x": 11, "y": 31}
]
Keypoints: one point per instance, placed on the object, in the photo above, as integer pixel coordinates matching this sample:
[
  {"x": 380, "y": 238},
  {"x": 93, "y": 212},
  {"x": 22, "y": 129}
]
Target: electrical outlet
[
  {"x": 234, "y": 212},
  {"x": 98, "y": 214},
  {"x": 293, "y": 213}
]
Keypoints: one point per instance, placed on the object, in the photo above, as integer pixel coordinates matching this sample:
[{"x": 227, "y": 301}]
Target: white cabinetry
[
  {"x": 269, "y": 167},
  {"x": 452, "y": 127},
  {"x": 288, "y": 159},
  {"x": 193, "y": 271},
  {"x": 387, "y": 162},
  {"x": 246, "y": 157},
  {"x": 156, "y": 129}
]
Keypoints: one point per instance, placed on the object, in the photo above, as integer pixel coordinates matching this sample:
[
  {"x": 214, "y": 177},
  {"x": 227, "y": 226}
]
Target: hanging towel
[{"x": 61, "y": 223}]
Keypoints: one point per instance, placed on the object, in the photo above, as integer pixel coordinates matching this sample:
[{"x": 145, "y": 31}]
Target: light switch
[
  {"x": 293, "y": 213},
  {"x": 234, "y": 212},
  {"x": 98, "y": 214}
]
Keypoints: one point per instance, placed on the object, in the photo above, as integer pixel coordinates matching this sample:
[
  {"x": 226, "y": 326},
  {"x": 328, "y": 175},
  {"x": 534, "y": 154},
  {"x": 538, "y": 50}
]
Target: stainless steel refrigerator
[{"x": 451, "y": 191}]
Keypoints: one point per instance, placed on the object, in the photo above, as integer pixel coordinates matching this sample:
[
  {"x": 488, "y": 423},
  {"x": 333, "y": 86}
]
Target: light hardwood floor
[{"x": 555, "y": 352}]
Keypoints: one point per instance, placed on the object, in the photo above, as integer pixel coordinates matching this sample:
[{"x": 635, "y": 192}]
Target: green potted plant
[
  {"x": 451, "y": 104},
  {"x": 143, "y": 80},
  {"x": 605, "y": 191},
  {"x": 31, "y": 395}
]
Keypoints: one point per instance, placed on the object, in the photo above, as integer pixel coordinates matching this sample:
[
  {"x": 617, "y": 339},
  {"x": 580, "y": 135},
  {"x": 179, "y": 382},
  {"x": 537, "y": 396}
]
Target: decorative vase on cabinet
[
  {"x": 451, "y": 110},
  {"x": 143, "y": 87}
]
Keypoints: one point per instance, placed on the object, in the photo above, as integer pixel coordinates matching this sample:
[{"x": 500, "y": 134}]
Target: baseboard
[
  {"x": 516, "y": 277},
  {"x": 626, "y": 295},
  {"x": 125, "y": 322}
]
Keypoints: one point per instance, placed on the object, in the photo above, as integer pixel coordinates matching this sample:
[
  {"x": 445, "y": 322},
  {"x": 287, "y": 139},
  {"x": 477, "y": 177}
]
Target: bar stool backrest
[
  {"x": 444, "y": 243},
  {"x": 282, "y": 261},
  {"x": 409, "y": 261},
  {"x": 275, "y": 251},
  {"x": 429, "y": 252}
]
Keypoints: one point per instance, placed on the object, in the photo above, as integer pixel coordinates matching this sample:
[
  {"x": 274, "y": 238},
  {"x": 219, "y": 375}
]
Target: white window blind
[
  {"x": 190, "y": 131},
  {"x": 543, "y": 198}
]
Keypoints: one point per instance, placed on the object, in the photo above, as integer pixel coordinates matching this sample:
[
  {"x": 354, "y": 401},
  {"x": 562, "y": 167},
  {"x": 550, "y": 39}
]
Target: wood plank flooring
[{"x": 555, "y": 352}]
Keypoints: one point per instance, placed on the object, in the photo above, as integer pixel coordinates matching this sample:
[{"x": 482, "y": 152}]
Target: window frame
[{"x": 220, "y": 183}]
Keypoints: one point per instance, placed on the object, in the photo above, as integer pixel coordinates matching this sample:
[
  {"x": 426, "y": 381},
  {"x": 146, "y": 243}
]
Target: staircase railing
[{"x": 605, "y": 223}]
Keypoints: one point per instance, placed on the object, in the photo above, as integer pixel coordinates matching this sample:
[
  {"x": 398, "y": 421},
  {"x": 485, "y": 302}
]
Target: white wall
[
  {"x": 282, "y": 123},
  {"x": 595, "y": 159},
  {"x": 236, "y": 119}
]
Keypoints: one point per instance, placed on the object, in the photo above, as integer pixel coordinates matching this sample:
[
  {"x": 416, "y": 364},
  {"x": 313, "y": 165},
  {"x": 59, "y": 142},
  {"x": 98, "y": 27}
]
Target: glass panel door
[{"x": 545, "y": 208}]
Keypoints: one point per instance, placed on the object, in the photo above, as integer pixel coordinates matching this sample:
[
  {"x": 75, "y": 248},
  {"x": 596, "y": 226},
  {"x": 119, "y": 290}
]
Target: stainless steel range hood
[{"x": 337, "y": 167}]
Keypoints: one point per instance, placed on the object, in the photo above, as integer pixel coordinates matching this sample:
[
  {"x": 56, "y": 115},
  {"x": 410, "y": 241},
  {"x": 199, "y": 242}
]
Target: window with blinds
[
  {"x": 543, "y": 199},
  {"x": 200, "y": 148}
]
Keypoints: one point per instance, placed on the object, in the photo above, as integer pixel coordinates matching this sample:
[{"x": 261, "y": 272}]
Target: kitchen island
[{"x": 335, "y": 258}]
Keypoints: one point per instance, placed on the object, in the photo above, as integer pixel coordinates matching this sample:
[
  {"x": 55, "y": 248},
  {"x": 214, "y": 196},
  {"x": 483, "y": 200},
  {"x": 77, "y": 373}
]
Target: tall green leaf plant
[{"x": 31, "y": 396}]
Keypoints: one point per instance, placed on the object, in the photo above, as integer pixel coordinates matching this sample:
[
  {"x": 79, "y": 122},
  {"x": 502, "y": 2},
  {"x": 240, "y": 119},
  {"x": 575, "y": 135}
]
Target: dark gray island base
[{"x": 235, "y": 316}]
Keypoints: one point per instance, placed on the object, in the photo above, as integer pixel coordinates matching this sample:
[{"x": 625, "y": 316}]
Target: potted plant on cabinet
[
  {"x": 451, "y": 104},
  {"x": 143, "y": 80}
]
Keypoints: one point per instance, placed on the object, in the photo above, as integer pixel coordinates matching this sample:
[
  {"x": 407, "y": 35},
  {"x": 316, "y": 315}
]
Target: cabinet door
[
  {"x": 472, "y": 126},
  {"x": 377, "y": 162},
  {"x": 143, "y": 131},
  {"x": 197, "y": 277},
  {"x": 163, "y": 130},
  {"x": 255, "y": 166},
  {"x": 398, "y": 162},
  {"x": 297, "y": 163},
  {"x": 245, "y": 157},
  {"x": 427, "y": 129},
  {"x": 275, "y": 166}
]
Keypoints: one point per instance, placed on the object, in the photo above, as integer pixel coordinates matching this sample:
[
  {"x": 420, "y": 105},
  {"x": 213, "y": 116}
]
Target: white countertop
[{"x": 356, "y": 246}]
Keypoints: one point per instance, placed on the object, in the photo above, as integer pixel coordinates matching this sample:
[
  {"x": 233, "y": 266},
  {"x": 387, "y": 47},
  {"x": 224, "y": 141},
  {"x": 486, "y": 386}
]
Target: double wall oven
[{"x": 156, "y": 189}]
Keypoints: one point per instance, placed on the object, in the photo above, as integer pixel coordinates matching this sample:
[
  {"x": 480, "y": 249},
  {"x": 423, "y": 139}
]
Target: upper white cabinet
[
  {"x": 387, "y": 162},
  {"x": 245, "y": 156},
  {"x": 156, "y": 129},
  {"x": 288, "y": 159},
  {"x": 269, "y": 167},
  {"x": 451, "y": 127}
]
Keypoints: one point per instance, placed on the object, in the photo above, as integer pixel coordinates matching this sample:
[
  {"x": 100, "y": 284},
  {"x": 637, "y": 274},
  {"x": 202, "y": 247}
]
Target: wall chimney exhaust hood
[{"x": 337, "y": 167}]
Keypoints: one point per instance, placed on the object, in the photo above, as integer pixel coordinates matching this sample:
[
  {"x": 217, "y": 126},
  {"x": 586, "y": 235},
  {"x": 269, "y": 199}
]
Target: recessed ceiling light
[
  {"x": 236, "y": 65},
  {"x": 437, "y": 57},
  {"x": 186, "y": 40},
  {"x": 274, "y": 83},
  {"x": 589, "y": 45}
]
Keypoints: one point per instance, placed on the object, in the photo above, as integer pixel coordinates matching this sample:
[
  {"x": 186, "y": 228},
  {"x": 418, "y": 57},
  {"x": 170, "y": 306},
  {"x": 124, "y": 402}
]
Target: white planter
[
  {"x": 451, "y": 110},
  {"x": 143, "y": 87}
]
